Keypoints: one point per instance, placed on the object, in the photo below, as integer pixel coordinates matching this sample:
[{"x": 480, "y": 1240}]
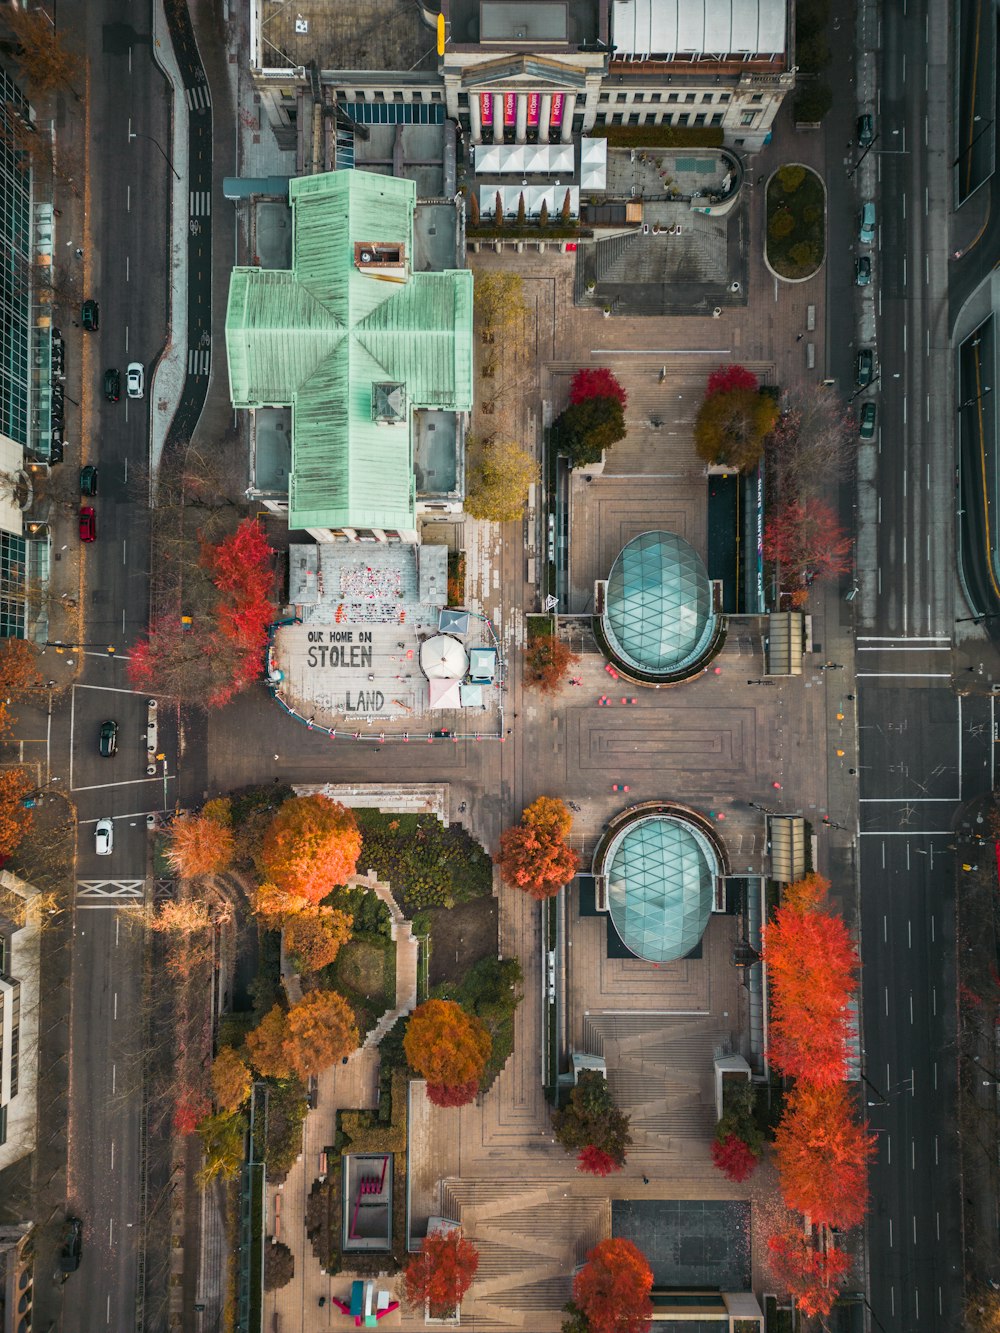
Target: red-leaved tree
[
  {"x": 813, "y": 1277},
  {"x": 612, "y": 1289},
  {"x": 734, "y": 1158},
  {"x": 534, "y": 855},
  {"x": 311, "y": 847},
  {"x": 811, "y": 968},
  {"x": 596, "y": 382},
  {"x": 727, "y": 379},
  {"x": 805, "y": 538},
  {"x": 459, "y": 1094},
  {"x": 441, "y": 1274},
  {"x": 595, "y": 1162},
  {"x": 822, "y": 1155}
]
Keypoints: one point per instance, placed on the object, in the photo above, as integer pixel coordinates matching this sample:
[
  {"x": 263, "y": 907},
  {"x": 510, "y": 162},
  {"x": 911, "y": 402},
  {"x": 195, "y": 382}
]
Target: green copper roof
[
  {"x": 661, "y": 882},
  {"x": 318, "y": 337}
]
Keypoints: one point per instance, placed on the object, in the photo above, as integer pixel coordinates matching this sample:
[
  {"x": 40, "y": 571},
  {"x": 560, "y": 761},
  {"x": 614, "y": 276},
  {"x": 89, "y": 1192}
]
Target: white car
[
  {"x": 134, "y": 378},
  {"x": 104, "y": 837}
]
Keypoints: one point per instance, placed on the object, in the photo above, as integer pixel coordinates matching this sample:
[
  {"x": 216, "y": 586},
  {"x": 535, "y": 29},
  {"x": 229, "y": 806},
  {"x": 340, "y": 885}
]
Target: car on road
[
  {"x": 867, "y": 428},
  {"x": 866, "y": 130},
  {"x": 88, "y": 524},
  {"x": 109, "y": 739},
  {"x": 88, "y": 480},
  {"x": 70, "y": 1245},
  {"x": 90, "y": 316},
  {"x": 864, "y": 368},
  {"x": 866, "y": 224},
  {"x": 863, "y": 271},
  {"x": 134, "y": 379},
  {"x": 104, "y": 837},
  {"x": 112, "y": 384}
]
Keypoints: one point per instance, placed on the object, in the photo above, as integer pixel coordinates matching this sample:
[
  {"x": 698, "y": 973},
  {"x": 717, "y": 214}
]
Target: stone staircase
[
  {"x": 407, "y": 950},
  {"x": 418, "y": 798}
]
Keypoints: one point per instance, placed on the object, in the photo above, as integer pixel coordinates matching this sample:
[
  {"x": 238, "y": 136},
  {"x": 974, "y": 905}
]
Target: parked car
[
  {"x": 70, "y": 1245},
  {"x": 866, "y": 130},
  {"x": 863, "y": 271},
  {"x": 134, "y": 378},
  {"x": 88, "y": 480},
  {"x": 112, "y": 384},
  {"x": 867, "y": 430},
  {"x": 90, "y": 316},
  {"x": 865, "y": 368},
  {"x": 104, "y": 837},
  {"x": 866, "y": 224},
  {"x": 88, "y": 524},
  {"x": 109, "y": 739}
]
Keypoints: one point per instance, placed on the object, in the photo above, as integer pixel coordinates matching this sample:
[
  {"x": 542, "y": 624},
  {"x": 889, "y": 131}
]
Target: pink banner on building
[
  {"x": 509, "y": 108},
  {"x": 558, "y": 106},
  {"x": 534, "y": 108},
  {"x": 486, "y": 107}
]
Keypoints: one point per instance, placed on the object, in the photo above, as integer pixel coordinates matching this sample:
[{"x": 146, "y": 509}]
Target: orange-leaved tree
[
  {"x": 811, "y": 967},
  {"x": 534, "y": 855},
  {"x": 313, "y": 939},
  {"x": 547, "y": 659},
  {"x": 199, "y": 845},
  {"x": 231, "y": 1079},
  {"x": 446, "y": 1045},
  {"x": 813, "y": 1277},
  {"x": 19, "y": 673},
  {"x": 273, "y": 905},
  {"x": 822, "y": 1155},
  {"x": 266, "y": 1044},
  {"x": 15, "y": 819},
  {"x": 311, "y": 1036},
  {"x": 612, "y": 1289},
  {"x": 312, "y": 845},
  {"x": 441, "y": 1274}
]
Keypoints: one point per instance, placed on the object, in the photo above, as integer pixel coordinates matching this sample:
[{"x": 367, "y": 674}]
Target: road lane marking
[
  {"x": 914, "y": 1235},
  {"x": 886, "y": 1001},
  {"x": 913, "y": 1155},
  {"x": 909, "y": 927},
  {"x": 114, "y": 1078},
  {"x": 112, "y": 1154},
  {"x": 890, "y": 1233},
  {"x": 885, "y": 919},
  {"x": 911, "y": 1007}
]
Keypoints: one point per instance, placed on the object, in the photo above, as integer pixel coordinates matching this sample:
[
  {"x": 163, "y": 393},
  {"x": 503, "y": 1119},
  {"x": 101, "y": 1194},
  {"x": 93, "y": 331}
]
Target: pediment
[{"x": 534, "y": 74}]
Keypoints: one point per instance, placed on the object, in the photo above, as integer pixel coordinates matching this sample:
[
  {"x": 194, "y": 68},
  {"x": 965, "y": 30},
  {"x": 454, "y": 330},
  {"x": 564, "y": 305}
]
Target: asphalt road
[
  {"x": 924, "y": 751},
  {"x": 129, "y": 192}
]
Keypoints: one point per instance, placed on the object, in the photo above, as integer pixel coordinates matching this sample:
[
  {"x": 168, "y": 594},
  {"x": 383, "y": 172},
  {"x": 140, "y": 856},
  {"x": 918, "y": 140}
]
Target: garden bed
[
  {"x": 460, "y": 937},
  {"x": 426, "y": 863},
  {"x": 364, "y": 972},
  {"x": 796, "y": 222}
]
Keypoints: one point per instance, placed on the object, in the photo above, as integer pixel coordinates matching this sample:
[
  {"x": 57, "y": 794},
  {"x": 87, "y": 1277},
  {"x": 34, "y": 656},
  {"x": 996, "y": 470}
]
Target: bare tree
[{"x": 811, "y": 447}]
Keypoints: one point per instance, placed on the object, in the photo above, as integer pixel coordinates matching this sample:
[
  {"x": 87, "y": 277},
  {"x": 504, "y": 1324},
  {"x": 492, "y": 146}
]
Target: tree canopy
[
  {"x": 587, "y": 427},
  {"x": 446, "y": 1045},
  {"x": 822, "y": 1155},
  {"x": 813, "y": 1277},
  {"x": 596, "y": 382},
  {"x": 231, "y": 1080},
  {"x": 805, "y": 538},
  {"x": 499, "y": 476},
  {"x": 612, "y": 1289},
  {"x": 311, "y": 847},
  {"x": 591, "y": 1119},
  {"x": 41, "y": 56},
  {"x": 314, "y": 938},
  {"x": 547, "y": 659},
  {"x": 534, "y": 855},
  {"x": 730, "y": 427},
  {"x": 198, "y": 845},
  {"x": 441, "y": 1274}
]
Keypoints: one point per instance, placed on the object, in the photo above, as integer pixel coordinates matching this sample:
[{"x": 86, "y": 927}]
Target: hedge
[
  {"x": 660, "y": 136},
  {"x": 363, "y": 1130}
]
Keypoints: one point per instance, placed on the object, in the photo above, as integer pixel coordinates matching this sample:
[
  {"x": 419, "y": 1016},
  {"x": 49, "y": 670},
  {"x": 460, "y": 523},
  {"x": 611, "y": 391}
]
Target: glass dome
[
  {"x": 661, "y": 884},
  {"x": 658, "y": 611}
]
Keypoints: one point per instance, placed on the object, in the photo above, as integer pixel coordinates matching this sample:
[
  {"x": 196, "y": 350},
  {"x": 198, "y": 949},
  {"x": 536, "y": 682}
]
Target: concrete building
[
  {"x": 515, "y": 72},
  {"x": 20, "y": 955}
]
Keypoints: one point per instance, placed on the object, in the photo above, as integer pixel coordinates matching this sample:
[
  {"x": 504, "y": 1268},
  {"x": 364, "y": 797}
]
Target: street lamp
[
  {"x": 137, "y": 134},
  {"x": 977, "y": 620},
  {"x": 971, "y": 402}
]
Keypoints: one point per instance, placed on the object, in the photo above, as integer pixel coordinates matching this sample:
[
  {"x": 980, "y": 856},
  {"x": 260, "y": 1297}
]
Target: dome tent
[{"x": 443, "y": 658}]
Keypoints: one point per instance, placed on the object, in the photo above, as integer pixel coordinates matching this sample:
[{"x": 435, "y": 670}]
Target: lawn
[
  {"x": 460, "y": 937},
  {"x": 365, "y": 974},
  {"x": 796, "y": 222}
]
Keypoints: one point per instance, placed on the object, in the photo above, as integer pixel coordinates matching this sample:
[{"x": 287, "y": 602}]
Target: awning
[
  {"x": 788, "y": 847},
  {"x": 785, "y": 643}
]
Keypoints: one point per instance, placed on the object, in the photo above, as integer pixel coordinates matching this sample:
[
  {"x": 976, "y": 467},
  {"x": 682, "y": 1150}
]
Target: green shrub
[
  {"x": 812, "y": 102},
  {"x": 812, "y": 53},
  {"x": 426, "y": 863},
  {"x": 812, "y": 214},
  {"x": 781, "y": 224},
  {"x": 804, "y": 254},
  {"x": 365, "y": 1131},
  {"x": 791, "y": 177},
  {"x": 371, "y": 916},
  {"x": 660, "y": 136},
  {"x": 286, "y": 1110}
]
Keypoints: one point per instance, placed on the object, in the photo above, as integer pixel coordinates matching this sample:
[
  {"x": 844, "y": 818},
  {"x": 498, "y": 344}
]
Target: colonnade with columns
[{"x": 545, "y": 101}]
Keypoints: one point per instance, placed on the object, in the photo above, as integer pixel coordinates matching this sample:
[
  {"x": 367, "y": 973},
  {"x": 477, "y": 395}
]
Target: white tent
[
  {"x": 443, "y": 658},
  {"x": 445, "y": 693},
  {"x": 593, "y": 164},
  {"x": 523, "y": 159}
]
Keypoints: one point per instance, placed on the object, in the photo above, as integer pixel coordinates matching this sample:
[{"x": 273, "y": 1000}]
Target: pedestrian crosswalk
[
  {"x": 199, "y": 360},
  {"x": 198, "y": 98},
  {"x": 200, "y": 203},
  {"x": 109, "y": 893}
]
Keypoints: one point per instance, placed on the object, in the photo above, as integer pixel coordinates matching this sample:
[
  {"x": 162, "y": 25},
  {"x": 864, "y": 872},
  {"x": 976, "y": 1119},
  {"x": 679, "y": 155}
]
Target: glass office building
[{"x": 16, "y": 269}]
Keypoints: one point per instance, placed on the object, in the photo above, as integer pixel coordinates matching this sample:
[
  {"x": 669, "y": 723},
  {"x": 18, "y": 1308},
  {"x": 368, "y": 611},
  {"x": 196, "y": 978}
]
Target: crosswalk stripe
[
  {"x": 199, "y": 360},
  {"x": 200, "y": 203},
  {"x": 198, "y": 98}
]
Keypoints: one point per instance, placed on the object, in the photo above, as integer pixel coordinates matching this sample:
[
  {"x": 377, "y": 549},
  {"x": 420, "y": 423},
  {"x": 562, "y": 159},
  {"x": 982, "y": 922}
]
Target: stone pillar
[
  {"x": 498, "y": 117},
  {"x": 475, "y": 118},
  {"x": 544, "y": 117},
  {"x": 521, "y": 123},
  {"x": 569, "y": 106}
]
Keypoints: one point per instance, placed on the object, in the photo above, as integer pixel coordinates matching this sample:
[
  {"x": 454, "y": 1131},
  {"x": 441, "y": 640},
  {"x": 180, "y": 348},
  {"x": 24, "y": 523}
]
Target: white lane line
[
  {"x": 886, "y": 989},
  {"x": 116, "y": 1007},
  {"x": 114, "y": 1078},
  {"x": 909, "y": 928},
  {"x": 911, "y": 1007},
  {"x": 102, "y": 786},
  {"x": 125, "y": 553},
  {"x": 932, "y": 930},
  {"x": 936, "y": 1163},
  {"x": 117, "y": 930},
  {"x": 890, "y": 1233},
  {"x": 934, "y": 1001},
  {"x": 913, "y": 1155},
  {"x": 112, "y": 1154},
  {"x": 914, "y": 1236},
  {"x": 885, "y": 919},
  {"x": 128, "y": 188}
]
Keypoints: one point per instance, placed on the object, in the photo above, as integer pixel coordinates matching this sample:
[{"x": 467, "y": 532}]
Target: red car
[{"x": 88, "y": 524}]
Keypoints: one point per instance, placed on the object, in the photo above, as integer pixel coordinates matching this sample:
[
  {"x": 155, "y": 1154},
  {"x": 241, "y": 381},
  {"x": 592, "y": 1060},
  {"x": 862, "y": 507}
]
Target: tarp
[
  {"x": 523, "y": 159},
  {"x": 445, "y": 693}
]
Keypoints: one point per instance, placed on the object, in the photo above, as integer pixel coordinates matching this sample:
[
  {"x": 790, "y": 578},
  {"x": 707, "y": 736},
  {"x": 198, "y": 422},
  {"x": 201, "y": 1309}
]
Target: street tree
[
  {"x": 822, "y": 1154},
  {"x": 266, "y": 1045},
  {"x": 534, "y": 855},
  {"x": 20, "y": 677},
  {"x": 41, "y": 56},
  {"x": 15, "y": 817},
  {"x": 592, "y": 1119},
  {"x": 498, "y": 300},
  {"x": 593, "y": 1162},
  {"x": 274, "y": 905},
  {"x": 499, "y": 477},
  {"x": 231, "y": 1080},
  {"x": 812, "y": 446},
  {"x": 612, "y": 1289},
  {"x": 319, "y": 1031},
  {"x": 734, "y": 1158},
  {"x": 587, "y": 427},
  {"x": 311, "y": 847},
  {"x": 806, "y": 540},
  {"x": 728, "y": 379},
  {"x": 459, "y": 1094},
  {"x": 547, "y": 659},
  {"x": 731, "y": 426},
  {"x": 813, "y": 1277},
  {"x": 596, "y": 382},
  {"x": 279, "y": 1265},
  {"x": 223, "y": 1140},
  {"x": 197, "y": 845},
  {"x": 440, "y": 1275},
  {"x": 445, "y": 1045}
]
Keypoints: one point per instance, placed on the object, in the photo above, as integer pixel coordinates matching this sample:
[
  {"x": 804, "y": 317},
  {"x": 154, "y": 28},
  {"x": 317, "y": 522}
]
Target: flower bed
[{"x": 796, "y": 222}]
